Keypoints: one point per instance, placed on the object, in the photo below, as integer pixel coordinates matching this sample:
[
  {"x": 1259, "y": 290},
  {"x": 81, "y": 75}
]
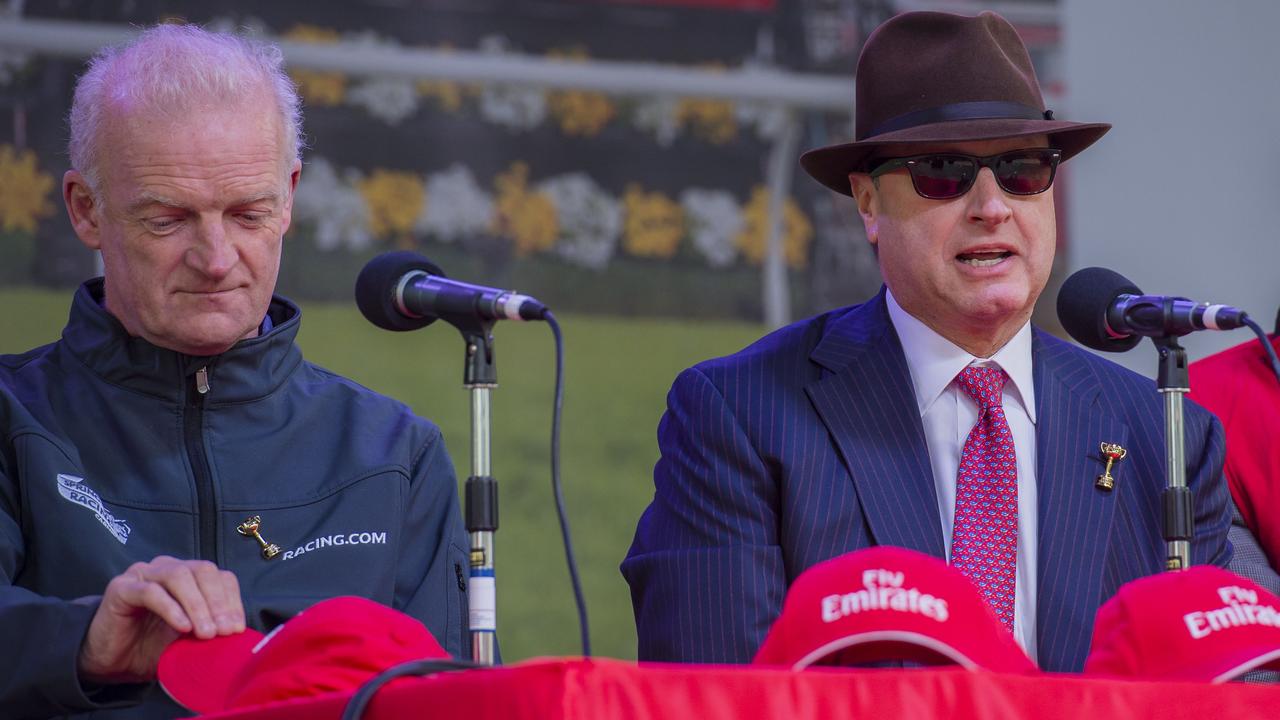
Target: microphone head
[
  {"x": 1083, "y": 303},
  {"x": 376, "y": 289}
]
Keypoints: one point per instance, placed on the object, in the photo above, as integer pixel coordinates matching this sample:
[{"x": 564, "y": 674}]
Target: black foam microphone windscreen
[
  {"x": 376, "y": 289},
  {"x": 1083, "y": 304}
]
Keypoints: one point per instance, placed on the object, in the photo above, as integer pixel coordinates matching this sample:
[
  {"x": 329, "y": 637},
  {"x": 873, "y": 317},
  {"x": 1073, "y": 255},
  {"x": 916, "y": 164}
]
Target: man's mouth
[
  {"x": 983, "y": 259},
  {"x": 211, "y": 291}
]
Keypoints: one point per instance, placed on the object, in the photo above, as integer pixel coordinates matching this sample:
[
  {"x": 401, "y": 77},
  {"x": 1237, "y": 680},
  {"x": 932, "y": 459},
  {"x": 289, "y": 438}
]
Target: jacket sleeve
[
  {"x": 1210, "y": 497},
  {"x": 706, "y": 570},
  {"x": 431, "y": 579},
  {"x": 42, "y": 635},
  {"x": 1247, "y": 557}
]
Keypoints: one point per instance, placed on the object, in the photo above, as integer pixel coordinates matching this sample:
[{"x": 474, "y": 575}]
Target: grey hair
[{"x": 171, "y": 66}]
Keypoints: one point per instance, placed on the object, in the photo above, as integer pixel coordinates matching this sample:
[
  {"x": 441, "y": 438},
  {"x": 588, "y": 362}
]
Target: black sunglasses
[{"x": 942, "y": 176}]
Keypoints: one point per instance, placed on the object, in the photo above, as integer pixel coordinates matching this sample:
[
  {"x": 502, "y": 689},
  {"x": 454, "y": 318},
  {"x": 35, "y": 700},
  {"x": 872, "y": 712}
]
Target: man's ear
[
  {"x": 867, "y": 195},
  {"x": 83, "y": 208},
  {"x": 286, "y": 217}
]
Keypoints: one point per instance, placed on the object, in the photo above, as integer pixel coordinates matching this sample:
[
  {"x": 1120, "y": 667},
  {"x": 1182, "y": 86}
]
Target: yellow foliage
[
  {"x": 797, "y": 231},
  {"x": 302, "y": 32},
  {"x": 654, "y": 223},
  {"x": 447, "y": 93},
  {"x": 24, "y": 190},
  {"x": 528, "y": 218},
  {"x": 320, "y": 89},
  {"x": 579, "y": 112},
  {"x": 711, "y": 119},
  {"x": 395, "y": 199}
]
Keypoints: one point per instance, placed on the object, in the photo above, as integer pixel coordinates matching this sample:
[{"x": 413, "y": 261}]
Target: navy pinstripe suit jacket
[{"x": 809, "y": 444}]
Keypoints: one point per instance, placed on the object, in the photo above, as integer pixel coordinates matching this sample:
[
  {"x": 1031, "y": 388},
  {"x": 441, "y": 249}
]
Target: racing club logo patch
[{"x": 74, "y": 489}]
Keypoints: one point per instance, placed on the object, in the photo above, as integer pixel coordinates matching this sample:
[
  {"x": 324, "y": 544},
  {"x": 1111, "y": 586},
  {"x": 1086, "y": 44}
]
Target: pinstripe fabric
[
  {"x": 1248, "y": 559},
  {"x": 808, "y": 444}
]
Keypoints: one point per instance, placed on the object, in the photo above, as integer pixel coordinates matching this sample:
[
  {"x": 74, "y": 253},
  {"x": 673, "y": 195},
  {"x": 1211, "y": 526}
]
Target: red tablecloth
[{"x": 602, "y": 688}]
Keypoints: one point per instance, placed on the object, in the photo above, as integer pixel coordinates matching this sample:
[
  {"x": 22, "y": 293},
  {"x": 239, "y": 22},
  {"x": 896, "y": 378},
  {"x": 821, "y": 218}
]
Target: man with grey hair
[{"x": 172, "y": 465}]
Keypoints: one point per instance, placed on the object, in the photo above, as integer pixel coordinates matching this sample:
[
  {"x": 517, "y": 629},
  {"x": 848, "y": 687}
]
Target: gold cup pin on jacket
[
  {"x": 1112, "y": 452},
  {"x": 250, "y": 527}
]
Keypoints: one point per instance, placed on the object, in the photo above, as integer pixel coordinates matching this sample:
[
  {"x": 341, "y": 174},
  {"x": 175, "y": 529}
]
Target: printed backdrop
[{"x": 594, "y": 203}]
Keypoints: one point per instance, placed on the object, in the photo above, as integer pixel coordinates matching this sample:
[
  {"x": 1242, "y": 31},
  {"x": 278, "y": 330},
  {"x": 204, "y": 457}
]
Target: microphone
[
  {"x": 1104, "y": 310},
  {"x": 405, "y": 291}
]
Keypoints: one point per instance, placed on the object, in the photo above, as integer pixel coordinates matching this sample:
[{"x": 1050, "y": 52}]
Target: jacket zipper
[
  {"x": 193, "y": 435},
  {"x": 464, "y": 611}
]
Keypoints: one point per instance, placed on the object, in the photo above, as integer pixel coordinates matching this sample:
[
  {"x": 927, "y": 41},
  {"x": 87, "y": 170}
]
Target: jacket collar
[
  {"x": 868, "y": 404},
  {"x": 1076, "y": 516},
  {"x": 251, "y": 369}
]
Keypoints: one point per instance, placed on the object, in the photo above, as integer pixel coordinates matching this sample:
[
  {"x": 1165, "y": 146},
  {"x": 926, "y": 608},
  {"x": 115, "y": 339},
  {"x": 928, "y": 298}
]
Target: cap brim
[
  {"x": 831, "y": 165},
  {"x": 881, "y": 645},
  {"x": 1268, "y": 660},
  {"x": 198, "y": 674}
]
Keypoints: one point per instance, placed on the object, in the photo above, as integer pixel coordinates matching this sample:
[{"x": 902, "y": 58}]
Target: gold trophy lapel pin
[
  {"x": 1113, "y": 453},
  {"x": 250, "y": 528}
]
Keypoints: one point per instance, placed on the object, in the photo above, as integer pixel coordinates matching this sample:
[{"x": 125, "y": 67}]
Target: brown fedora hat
[{"x": 931, "y": 77}]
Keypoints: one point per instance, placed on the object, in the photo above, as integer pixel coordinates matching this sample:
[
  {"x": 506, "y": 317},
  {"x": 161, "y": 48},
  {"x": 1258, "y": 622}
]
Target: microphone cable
[
  {"x": 378, "y": 295},
  {"x": 1266, "y": 345},
  {"x": 355, "y": 708},
  {"x": 557, "y": 490},
  {"x": 414, "y": 668}
]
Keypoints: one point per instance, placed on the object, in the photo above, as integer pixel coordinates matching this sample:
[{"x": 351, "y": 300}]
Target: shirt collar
[{"x": 934, "y": 361}]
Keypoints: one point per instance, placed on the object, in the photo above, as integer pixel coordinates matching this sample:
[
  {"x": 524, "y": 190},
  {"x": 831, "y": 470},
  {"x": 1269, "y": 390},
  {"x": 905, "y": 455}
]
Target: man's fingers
[
  {"x": 231, "y": 586},
  {"x": 190, "y": 595},
  {"x": 182, "y": 580},
  {"x": 221, "y": 593},
  {"x": 133, "y": 590}
]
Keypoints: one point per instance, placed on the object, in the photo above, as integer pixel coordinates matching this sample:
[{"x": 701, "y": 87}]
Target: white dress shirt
[{"x": 948, "y": 414}]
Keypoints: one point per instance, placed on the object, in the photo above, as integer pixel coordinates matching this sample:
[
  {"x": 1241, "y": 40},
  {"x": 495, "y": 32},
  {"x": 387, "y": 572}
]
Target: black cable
[
  {"x": 1266, "y": 344},
  {"x": 559, "y": 494},
  {"x": 414, "y": 668}
]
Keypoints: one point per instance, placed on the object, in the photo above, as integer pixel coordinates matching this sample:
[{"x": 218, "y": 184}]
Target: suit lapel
[
  {"x": 1074, "y": 515},
  {"x": 868, "y": 405}
]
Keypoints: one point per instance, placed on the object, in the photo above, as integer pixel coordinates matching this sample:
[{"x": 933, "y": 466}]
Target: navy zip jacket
[{"x": 114, "y": 451}]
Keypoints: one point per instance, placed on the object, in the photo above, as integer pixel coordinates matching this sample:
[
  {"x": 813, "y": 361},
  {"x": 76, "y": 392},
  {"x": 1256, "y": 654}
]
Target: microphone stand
[
  {"x": 481, "y": 376},
  {"x": 1173, "y": 384}
]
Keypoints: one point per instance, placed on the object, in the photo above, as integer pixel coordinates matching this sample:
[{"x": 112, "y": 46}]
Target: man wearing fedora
[{"x": 933, "y": 416}]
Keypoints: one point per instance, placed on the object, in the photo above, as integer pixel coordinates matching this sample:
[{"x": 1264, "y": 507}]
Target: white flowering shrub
[
  {"x": 456, "y": 207},
  {"x": 658, "y": 116},
  {"x": 333, "y": 206},
  {"x": 512, "y": 106},
  {"x": 714, "y": 219},
  {"x": 590, "y": 219}
]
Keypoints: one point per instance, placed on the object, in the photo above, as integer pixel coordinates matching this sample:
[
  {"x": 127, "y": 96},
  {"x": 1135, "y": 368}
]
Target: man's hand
[{"x": 148, "y": 606}]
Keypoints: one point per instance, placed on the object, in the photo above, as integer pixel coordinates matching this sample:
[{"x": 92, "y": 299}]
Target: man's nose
[
  {"x": 988, "y": 203},
  {"x": 213, "y": 254}
]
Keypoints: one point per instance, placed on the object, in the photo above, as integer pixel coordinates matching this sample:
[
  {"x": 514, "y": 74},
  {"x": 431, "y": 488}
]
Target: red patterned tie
[{"x": 984, "y": 541}]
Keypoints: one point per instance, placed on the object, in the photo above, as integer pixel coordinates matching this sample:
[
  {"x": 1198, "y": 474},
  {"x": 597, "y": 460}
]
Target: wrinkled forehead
[
  {"x": 247, "y": 123},
  {"x": 128, "y": 108}
]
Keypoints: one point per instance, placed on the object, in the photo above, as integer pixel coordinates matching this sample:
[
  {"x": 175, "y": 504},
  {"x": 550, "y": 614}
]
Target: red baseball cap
[
  {"x": 334, "y": 645},
  {"x": 1203, "y": 623},
  {"x": 888, "y": 603}
]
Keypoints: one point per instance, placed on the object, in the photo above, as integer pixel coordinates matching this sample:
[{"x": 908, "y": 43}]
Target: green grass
[{"x": 617, "y": 373}]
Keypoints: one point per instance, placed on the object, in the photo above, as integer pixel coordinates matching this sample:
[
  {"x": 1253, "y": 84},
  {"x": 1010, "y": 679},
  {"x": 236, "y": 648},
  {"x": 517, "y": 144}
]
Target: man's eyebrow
[
  {"x": 147, "y": 198},
  {"x": 268, "y": 195}
]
